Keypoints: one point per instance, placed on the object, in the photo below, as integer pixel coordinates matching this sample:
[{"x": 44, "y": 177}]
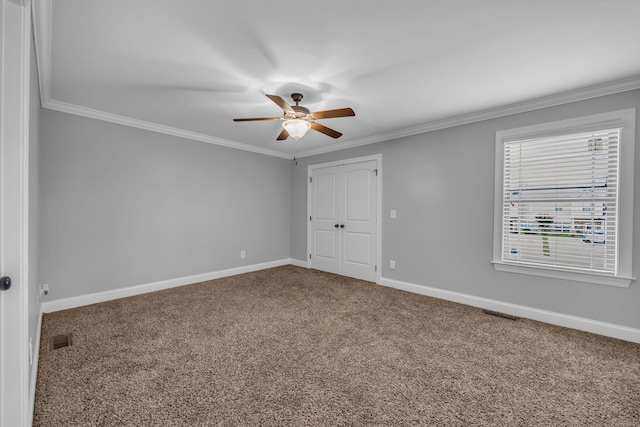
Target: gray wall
[
  {"x": 121, "y": 206},
  {"x": 441, "y": 183},
  {"x": 34, "y": 138}
]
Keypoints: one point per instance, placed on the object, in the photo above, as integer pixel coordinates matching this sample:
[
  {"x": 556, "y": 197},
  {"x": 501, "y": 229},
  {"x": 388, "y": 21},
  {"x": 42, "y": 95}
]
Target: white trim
[
  {"x": 379, "y": 221},
  {"x": 15, "y": 61},
  {"x": 559, "y": 319},
  {"x": 351, "y": 161},
  {"x": 556, "y": 273},
  {"x": 582, "y": 94},
  {"x": 621, "y": 118},
  {"x": 154, "y": 127},
  {"x": 34, "y": 368},
  {"x": 41, "y": 11},
  {"x": 94, "y": 298},
  {"x": 24, "y": 194},
  {"x": 311, "y": 168},
  {"x": 299, "y": 263},
  {"x": 573, "y": 125},
  {"x": 42, "y": 24}
]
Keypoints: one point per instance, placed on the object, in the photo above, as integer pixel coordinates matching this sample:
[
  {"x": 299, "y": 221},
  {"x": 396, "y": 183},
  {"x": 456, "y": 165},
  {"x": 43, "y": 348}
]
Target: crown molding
[
  {"x": 617, "y": 86},
  {"x": 590, "y": 92},
  {"x": 42, "y": 31},
  {"x": 154, "y": 127}
]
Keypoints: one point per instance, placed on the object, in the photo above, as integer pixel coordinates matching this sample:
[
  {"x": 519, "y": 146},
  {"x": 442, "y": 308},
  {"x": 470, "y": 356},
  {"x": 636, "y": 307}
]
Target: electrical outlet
[
  {"x": 393, "y": 213},
  {"x": 44, "y": 290},
  {"x": 392, "y": 264},
  {"x": 243, "y": 254}
]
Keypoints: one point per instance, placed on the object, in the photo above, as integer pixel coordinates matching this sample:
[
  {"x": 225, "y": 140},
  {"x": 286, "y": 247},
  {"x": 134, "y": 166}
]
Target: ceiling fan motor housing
[{"x": 300, "y": 113}]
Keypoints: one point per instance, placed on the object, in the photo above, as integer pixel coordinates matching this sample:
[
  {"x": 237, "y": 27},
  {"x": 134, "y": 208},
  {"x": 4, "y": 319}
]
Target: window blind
[{"x": 560, "y": 201}]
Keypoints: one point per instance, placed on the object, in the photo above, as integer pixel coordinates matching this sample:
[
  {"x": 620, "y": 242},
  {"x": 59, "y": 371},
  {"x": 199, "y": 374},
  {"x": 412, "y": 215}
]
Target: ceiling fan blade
[
  {"x": 281, "y": 103},
  {"x": 320, "y": 128},
  {"x": 330, "y": 114},
  {"x": 257, "y": 118},
  {"x": 283, "y": 135}
]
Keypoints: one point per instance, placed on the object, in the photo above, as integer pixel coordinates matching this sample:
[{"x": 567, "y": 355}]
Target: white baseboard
[
  {"x": 298, "y": 263},
  {"x": 81, "y": 300},
  {"x": 559, "y": 319}
]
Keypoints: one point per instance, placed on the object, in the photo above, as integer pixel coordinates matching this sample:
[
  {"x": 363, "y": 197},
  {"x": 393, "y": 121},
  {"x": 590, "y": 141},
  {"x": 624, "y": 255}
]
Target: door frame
[
  {"x": 15, "y": 37},
  {"x": 311, "y": 168}
]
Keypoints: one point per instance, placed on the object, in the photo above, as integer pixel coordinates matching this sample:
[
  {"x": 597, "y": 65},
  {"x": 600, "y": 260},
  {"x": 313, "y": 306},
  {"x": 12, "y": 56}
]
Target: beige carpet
[{"x": 291, "y": 346}]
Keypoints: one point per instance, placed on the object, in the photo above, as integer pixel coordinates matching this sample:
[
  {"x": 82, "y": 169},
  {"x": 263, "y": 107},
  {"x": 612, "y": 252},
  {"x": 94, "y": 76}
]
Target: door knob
[
  {"x": 341, "y": 225},
  {"x": 336, "y": 226},
  {"x": 5, "y": 283}
]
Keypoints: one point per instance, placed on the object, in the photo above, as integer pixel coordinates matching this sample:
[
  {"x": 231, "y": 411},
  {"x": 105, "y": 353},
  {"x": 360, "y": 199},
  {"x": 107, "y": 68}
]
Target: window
[{"x": 563, "y": 199}]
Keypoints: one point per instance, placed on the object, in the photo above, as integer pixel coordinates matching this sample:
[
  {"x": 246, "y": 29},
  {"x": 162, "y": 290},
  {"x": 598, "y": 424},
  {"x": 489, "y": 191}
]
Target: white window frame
[{"x": 624, "y": 119}]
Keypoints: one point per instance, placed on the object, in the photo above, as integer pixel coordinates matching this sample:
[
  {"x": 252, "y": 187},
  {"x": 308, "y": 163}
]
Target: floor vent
[
  {"x": 60, "y": 341},
  {"x": 498, "y": 314}
]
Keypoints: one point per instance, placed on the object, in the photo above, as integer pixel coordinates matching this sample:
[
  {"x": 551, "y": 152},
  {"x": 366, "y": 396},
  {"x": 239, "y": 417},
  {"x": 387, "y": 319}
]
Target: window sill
[{"x": 600, "y": 279}]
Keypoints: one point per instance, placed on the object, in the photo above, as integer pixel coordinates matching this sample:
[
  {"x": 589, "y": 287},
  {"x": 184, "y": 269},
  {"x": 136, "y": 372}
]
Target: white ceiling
[{"x": 187, "y": 67}]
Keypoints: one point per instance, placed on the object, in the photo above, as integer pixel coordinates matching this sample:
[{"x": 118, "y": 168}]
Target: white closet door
[
  {"x": 359, "y": 207},
  {"x": 325, "y": 216},
  {"x": 344, "y": 219}
]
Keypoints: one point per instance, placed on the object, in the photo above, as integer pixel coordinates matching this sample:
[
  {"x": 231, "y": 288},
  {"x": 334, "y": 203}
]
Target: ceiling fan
[{"x": 298, "y": 120}]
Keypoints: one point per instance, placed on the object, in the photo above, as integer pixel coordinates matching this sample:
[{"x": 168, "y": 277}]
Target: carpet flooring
[{"x": 290, "y": 346}]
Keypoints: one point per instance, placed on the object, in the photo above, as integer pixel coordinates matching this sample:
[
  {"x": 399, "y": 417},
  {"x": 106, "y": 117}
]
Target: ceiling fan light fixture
[
  {"x": 296, "y": 128},
  {"x": 298, "y": 119}
]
